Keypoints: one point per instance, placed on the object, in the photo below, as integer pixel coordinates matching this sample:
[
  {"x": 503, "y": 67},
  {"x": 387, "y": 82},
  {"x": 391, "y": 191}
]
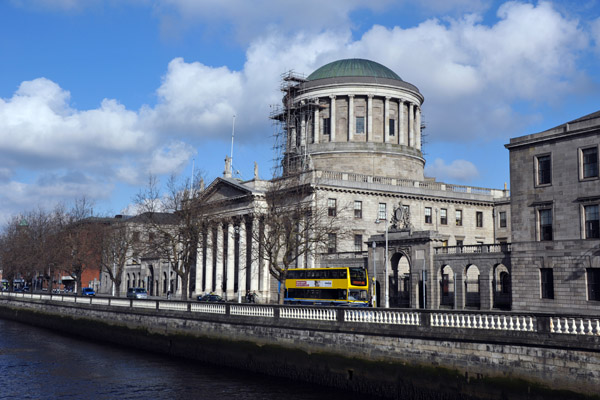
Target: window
[
  {"x": 502, "y": 217},
  {"x": 331, "y": 207},
  {"x": 547, "y": 283},
  {"x": 136, "y": 236},
  {"x": 357, "y": 209},
  {"x": 443, "y": 216},
  {"x": 479, "y": 219},
  {"x": 592, "y": 222},
  {"x": 545, "y": 224},
  {"x": 358, "y": 242},
  {"x": 360, "y": 124},
  {"x": 331, "y": 243},
  {"x": 427, "y": 215},
  {"x": 382, "y": 215},
  {"x": 392, "y": 125},
  {"x": 459, "y": 243},
  {"x": 458, "y": 217},
  {"x": 589, "y": 161},
  {"x": 544, "y": 176},
  {"x": 593, "y": 282},
  {"x": 326, "y": 126}
]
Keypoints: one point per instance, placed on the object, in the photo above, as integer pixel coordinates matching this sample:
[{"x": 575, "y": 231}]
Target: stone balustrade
[{"x": 492, "y": 321}]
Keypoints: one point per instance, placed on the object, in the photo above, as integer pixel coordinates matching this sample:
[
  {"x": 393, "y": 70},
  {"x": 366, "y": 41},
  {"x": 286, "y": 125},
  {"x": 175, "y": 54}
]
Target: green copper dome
[{"x": 353, "y": 67}]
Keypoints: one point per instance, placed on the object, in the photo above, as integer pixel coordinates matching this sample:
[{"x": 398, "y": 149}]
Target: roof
[{"x": 353, "y": 67}]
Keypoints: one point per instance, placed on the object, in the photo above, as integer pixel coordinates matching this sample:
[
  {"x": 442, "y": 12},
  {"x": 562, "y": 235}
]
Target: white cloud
[{"x": 458, "y": 170}]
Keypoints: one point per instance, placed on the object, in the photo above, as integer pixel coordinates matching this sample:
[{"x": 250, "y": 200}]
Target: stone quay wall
[{"x": 390, "y": 353}]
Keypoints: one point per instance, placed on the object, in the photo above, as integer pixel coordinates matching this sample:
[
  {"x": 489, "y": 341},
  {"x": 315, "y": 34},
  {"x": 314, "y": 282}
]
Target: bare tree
[
  {"x": 295, "y": 223},
  {"x": 175, "y": 220},
  {"x": 118, "y": 247}
]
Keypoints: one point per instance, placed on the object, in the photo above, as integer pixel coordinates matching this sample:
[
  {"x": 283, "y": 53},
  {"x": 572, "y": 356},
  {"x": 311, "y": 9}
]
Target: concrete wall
[{"x": 392, "y": 360}]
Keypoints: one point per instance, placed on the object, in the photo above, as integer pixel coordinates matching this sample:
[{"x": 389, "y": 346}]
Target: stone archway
[
  {"x": 502, "y": 287},
  {"x": 472, "y": 287},
  {"x": 399, "y": 281},
  {"x": 447, "y": 293}
]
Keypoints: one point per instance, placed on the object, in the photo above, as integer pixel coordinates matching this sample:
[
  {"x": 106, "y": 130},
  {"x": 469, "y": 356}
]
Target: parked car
[
  {"x": 88, "y": 291},
  {"x": 211, "y": 298},
  {"x": 137, "y": 293}
]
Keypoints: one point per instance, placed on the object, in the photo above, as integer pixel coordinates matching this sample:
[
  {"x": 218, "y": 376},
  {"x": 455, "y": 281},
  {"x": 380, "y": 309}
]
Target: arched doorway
[
  {"x": 128, "y": 281},
  {"x": 472, "y": 294},
  {"x": 399, "y": 281},
  {"x": 502, "y": 287},
  {"x": 447, "y": 294},
  {"x": 151, "y": 279}
]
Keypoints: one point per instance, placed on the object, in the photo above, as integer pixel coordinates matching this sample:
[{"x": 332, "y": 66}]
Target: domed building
[{"x": 352, "y": 115}]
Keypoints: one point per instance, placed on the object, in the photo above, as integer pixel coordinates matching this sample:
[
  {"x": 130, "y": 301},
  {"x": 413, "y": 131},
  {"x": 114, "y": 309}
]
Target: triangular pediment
[{"x": 225, "y": 189}]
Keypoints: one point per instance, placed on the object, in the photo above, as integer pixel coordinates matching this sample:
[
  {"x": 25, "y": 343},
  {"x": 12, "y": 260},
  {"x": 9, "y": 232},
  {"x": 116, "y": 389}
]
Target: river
[{"x": 41, "y": 364}]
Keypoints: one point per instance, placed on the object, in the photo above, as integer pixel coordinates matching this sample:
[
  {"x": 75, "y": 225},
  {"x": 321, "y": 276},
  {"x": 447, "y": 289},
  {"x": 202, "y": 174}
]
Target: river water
[{"x": 41, "y": 364}]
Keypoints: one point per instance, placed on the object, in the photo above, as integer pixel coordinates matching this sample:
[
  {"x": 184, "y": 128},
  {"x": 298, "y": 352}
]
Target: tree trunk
[{"x": 184, "y": 286}]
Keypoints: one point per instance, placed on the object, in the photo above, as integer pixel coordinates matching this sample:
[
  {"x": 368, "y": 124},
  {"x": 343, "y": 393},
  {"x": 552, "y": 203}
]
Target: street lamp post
[{"x": 386, "y": 280}]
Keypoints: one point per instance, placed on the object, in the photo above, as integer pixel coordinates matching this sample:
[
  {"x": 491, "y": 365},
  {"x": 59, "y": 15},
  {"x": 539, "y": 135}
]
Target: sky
[{"x": 98, "y": 95}]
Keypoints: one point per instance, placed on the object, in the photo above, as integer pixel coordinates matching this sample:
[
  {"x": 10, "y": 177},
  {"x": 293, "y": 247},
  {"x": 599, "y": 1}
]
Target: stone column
[
  {"x": 418, "y": 128},
  {"x": 199, "y": 265},
  {"x": 253, "y": 269},
  {"x": 411, "y": 125},
  {"x": 303, "y": 130},
  {"x": 386, "y": 120},
  {"x": 351, "y": 124},
  {"x": 209, "y": 260},
  {"x": 401, "y": 129},
  {"x": 219, "y": 273},
  {"x": 332, "y": 122},
  {"x": 243, "y": 268},
  {"x": 229, "y": 284},
  {"x": 317, "y": 126},
  {"x": 369, "y": 136}
]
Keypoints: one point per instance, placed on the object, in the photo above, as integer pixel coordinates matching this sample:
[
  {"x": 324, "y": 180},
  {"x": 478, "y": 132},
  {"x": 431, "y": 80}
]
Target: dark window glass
[
  {"x": 544, "y": 175},
  {"x": 443, "y": 216},
  {"x": 358, "y": 242},
  {"x": 331, "y": 207},
  {"x": 427, "y": 215},
  {"x": 357, "y": 209},
  {"x": 360, "y": 124},
  {"x": 590, "y": 162},
  {"x": 502, "y": 219},
  {"x": 331, "y": 243},
  {"x": 545, "y": 224},
  {"x": 392, "y": 127},
  {"x": 592, "y": 222},
  {"x": 547, "y": 277},
  {"x": 593, "y": 279},
  {"x": 324, "y": 294},
  {"x": 326, "y": 126},
  {"x": 479, "y": 219}
]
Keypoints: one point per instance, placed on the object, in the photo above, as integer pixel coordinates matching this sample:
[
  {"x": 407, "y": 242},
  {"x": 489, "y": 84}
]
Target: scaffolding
[{"x": 293, "y": 122}]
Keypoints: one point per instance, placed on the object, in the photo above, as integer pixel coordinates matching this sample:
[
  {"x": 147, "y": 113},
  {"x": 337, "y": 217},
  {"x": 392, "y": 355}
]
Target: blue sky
[{"x": 96, "y": 95}]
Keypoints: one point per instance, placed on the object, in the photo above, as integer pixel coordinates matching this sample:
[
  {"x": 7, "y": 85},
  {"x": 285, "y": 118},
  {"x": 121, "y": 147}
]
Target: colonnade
[{"x": 407, "y": 130}]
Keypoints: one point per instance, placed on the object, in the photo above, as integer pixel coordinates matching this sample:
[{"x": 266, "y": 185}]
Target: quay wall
[{"x": 395, "y": 354}]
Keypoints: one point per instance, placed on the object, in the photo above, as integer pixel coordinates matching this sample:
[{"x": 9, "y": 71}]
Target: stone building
[
  {"x": 555, "y": 220},
  {"x": 355, "y": 126}
]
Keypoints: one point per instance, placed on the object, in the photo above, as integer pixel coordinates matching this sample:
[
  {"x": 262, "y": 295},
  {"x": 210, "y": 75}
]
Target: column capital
[
  {"x": 370, "y": 95},
  {"x": 351, "y": 96},
  {"x": 332, "y": 96}
]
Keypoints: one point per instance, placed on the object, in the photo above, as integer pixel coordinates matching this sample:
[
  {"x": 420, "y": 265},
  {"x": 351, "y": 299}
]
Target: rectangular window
[
  {"x": 545, "y": 224},
  {"x": 544, "y": 176},
  {"x": 547, "y": 283},
  {"x": 502, "y": 219},
  {"x": 592, "y": 222},
  {"x": 331, "y": 207},
  {"x": 589, "y": 159},
  {"x": 458, "y": 217},
  {"x": 326, "y": 126},
  {"x": 382, "y": 215},
  {"x": 360, "y": 125},
  {"x": 593, "y": 282},
  {"x": 427, "y": 215},
  {"x": 357, "y": 209},
  {"x": 443, "y": 216},
  {"x": 358, "y": 242},
  {"x": 479, "y": 219},
  {"x": 331, "y": 243},
  {"x": 392, "y": 127},
  {"x": 459, "y": 243}
]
